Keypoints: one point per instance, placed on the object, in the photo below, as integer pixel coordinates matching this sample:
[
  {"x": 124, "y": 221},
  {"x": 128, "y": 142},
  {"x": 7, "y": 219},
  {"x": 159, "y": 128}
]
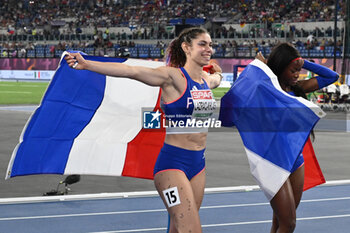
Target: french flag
[
  {"x": 89, "y": 123},
  {"x": 274, "y": 127},
  {"x": 11, "y": 31}
]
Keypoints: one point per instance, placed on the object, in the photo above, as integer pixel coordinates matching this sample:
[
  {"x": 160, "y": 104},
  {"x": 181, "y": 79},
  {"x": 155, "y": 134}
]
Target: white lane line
[
  {"x": 20, "y": 86},
  {"x": 243, "y": 188},
  {"x": 16, "y": 92},
  {"x": 24, "y": 108},
  {"x": 158, "y": 210},
  {"x": 80, "y": 215},
  {"x": 6, "y": 85},
  {"x": 267, "y": 203},
  {"x": 229, "y": 224},
  {"x": 31, "y": 86},
  {"x": 268, "y": 221},
  {"x": 134, "y": 230},
  {"x": 327, "y": 199}
]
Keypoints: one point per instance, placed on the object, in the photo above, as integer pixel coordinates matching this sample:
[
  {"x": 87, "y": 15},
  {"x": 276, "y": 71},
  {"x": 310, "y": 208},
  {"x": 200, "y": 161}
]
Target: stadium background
[{"x": 33, "y": 34}]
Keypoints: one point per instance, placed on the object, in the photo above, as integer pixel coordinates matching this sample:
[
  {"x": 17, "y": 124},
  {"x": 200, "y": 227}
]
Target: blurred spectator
[
  {"x": 55, "y": 20},
  {"x": 123, "y": 52},
  {"x": 149, "y": 12}
]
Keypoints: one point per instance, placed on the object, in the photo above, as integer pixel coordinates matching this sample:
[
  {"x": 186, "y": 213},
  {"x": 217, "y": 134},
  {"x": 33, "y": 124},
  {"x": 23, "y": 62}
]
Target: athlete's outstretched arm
[{"x": 150, "y": 76}]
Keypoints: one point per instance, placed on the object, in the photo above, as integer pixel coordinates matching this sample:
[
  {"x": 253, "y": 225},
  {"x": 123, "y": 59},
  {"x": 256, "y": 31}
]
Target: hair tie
[{"x": 298, "y": 58}]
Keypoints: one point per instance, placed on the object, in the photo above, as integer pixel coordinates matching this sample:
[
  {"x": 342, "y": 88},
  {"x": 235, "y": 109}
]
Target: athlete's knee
[
  {"x": 183, "y": 224},
  {"x": 292, "y": 224},
  {"x": 287, "y": 225}
]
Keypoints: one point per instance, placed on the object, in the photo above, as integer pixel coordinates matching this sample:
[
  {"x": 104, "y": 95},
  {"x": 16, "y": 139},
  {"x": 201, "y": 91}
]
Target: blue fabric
[
  {"x": 300, "y": 159},
  {"x": 168, "y": 228},
  {"x": 182, "y": 108},
  {"x": 325, "y": 76},
  {"x": 188, "y": 161},
  {"x": 71, "y": 98},
  {"x": 298, "y": 163},
  {"x": 272, "y": 124}
]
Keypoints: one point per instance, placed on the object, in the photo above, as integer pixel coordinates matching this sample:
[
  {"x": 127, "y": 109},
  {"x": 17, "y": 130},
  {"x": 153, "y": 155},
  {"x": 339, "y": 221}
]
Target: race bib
[{"x": 203, "y": 104}]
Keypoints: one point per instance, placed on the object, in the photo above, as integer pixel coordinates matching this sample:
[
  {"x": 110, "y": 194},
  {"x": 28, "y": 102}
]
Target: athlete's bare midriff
[{"x": 194, "y": 141}]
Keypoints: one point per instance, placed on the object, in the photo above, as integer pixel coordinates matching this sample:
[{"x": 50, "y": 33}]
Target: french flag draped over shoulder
[
  {"x": 274, "y": 127},
  {"x": 89, "y": 123}
]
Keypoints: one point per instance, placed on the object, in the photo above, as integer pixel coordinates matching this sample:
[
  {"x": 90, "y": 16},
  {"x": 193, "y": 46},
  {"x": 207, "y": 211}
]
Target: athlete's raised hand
[{"x": 75, "y": 60}]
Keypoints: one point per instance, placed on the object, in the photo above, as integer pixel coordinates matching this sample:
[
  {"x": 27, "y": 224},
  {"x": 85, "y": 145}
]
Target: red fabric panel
[
  {"x": 313, "y": 174},
  {"x": 143, "y": 150}
]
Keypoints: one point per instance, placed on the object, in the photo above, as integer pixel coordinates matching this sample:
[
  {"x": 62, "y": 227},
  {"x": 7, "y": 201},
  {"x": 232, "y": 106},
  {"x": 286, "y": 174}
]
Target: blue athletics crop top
[{"x": 196, "y": 104}]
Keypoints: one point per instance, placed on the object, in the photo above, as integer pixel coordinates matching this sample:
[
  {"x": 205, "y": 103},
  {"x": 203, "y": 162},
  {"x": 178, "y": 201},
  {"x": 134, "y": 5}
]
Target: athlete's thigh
[
  {"x": 283, "y": 203},
  {"x": 176, "y": 192},
  {"x": 297, "y": 182},
  {"x": 198, "y": 185}
]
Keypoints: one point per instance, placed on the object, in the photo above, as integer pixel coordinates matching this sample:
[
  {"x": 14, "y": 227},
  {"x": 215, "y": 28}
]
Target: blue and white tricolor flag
[
  {"x": 89, "y": 123},
  {"x": 274, "y": 126}
]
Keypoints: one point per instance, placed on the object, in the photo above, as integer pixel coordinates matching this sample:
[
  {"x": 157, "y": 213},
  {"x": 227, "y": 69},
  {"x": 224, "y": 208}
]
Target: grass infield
[
  {"x": 220, "y": 92},
  {"x": 17, "y": 93}
]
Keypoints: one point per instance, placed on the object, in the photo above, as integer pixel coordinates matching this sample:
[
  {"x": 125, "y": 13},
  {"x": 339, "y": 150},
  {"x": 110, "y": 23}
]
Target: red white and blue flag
[
  {"x": 274, "y": 127},
  {"x": 89, "y": 123}
]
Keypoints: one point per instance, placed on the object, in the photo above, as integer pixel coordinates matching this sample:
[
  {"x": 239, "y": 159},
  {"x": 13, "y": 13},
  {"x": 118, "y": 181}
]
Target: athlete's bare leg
[
  {"x": 184, "y": 217},
  {"x": 286, "y": 201}
]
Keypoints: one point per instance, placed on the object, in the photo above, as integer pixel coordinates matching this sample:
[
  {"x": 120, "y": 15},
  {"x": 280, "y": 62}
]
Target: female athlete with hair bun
[{"x": 286, "y": 63}]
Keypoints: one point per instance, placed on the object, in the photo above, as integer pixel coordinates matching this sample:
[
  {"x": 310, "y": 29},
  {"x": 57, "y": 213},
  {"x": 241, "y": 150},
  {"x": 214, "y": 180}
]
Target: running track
[{"x": 324, "y": 209}]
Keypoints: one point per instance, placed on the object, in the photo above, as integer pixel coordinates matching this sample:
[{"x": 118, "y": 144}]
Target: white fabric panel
[
  {"x": 101, "y": 146},
  {"x": 269, "y": 176}
]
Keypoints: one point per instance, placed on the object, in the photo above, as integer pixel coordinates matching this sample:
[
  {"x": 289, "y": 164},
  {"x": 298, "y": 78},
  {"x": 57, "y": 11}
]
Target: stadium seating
[{"x": 97, "y": 26}]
